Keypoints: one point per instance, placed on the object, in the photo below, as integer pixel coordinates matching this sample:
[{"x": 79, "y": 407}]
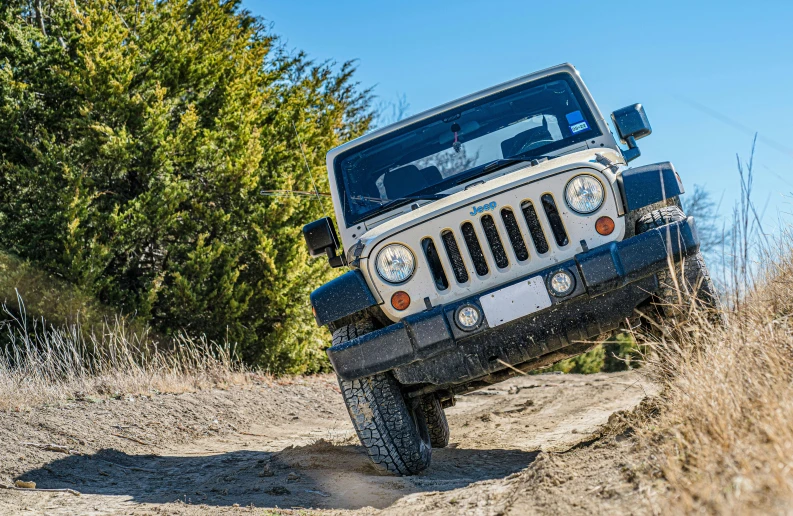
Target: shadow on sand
[{"x": 321, "y": 475}]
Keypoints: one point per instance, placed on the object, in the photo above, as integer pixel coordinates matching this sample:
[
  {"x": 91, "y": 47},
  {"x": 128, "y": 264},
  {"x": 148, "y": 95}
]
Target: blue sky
[{"x": 708, "y": 73}]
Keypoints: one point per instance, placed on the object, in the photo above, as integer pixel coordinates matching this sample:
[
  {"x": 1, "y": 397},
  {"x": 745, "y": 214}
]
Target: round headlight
[
  {"x": 395, "y": 263},
  {"x": 584, "y": 194}
]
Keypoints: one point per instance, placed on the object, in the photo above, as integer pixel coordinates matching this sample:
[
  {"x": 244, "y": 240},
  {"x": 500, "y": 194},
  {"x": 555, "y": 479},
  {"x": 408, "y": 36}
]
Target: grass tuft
[{"x": 42, "y": 363}]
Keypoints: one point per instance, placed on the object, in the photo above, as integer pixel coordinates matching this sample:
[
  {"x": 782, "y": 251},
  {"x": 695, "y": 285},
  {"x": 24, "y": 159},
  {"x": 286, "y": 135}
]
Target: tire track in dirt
[{"x": 309, "y": 456}]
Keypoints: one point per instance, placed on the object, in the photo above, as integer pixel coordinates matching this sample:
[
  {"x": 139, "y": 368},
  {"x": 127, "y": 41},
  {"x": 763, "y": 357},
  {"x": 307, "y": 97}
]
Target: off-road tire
[
  {"x": 352, "y": 331},
  {"x": 394, "y": 433},
  {"x": 691, "y": 282},
  {"x": 437, "y": 425}
]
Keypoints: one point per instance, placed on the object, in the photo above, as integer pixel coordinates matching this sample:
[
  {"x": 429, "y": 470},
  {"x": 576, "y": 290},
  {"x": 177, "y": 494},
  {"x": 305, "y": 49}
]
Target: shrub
[
  {"x": 135, "y": 137},
  {"x": 618, "y": 353},
  {"x": 45, "y": 296}
]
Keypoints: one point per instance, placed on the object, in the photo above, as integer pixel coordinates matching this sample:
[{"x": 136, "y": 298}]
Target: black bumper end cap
[
  {"x": 416, "y": 337},
  {"x": 616, "y": 264}
]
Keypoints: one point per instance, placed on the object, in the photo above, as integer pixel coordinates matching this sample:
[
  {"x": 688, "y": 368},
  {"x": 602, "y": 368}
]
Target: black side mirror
[
  {"x": 321, "y": 239},
  {"x": 631, "y": 123}
]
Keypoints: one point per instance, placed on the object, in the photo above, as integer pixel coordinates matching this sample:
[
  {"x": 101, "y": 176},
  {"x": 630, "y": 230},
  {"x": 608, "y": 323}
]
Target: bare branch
[{"x": 40, "y": 16}]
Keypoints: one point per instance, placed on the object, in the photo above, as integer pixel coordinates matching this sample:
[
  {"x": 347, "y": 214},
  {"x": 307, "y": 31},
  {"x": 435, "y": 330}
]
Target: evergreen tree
[{"x": 135, "y": 137}]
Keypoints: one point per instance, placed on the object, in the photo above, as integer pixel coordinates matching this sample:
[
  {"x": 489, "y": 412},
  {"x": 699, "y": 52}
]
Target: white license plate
[{"x": 515, "y": 301}]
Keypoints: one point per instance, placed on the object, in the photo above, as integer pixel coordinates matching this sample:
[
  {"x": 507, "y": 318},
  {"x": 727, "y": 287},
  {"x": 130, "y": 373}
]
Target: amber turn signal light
[
  {"x": 604, "y": 226},
  {"x": 400, "y": 300}
]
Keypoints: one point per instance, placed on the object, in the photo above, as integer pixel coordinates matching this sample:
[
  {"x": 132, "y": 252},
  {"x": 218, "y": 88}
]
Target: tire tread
[
  {"x": 676, "y": 293},
  {"x": 437, "y": 425},
  {"x": 382, "y": 418}
]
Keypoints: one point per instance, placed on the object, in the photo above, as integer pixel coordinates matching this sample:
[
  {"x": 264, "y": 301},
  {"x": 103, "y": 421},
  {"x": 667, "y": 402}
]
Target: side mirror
[
  {"x": 321, "y": 239},
  {"x": 631, "y": 123}
]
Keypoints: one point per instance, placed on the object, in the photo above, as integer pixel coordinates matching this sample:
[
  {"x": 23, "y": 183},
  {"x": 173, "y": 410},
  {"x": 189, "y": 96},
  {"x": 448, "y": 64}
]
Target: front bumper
[{"x": 611, "y": 281}]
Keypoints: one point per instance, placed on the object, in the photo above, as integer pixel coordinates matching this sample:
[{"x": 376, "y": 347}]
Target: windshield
[{"x": 438, "y": 153}]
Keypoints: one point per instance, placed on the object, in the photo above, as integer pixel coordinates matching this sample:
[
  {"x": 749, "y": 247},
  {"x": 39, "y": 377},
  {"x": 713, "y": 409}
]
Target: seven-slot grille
[{"x": 510, "y": 234}]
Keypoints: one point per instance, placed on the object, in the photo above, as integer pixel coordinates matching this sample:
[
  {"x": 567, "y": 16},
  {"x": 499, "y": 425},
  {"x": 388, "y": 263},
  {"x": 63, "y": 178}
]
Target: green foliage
[
  {"x": 622, "y": 353},
  {"x": 135, "y": 136},
  {"x": 586, "y": 363},
  {"x": 41, "y": 296},
  {"x": 618, "y": 353}
]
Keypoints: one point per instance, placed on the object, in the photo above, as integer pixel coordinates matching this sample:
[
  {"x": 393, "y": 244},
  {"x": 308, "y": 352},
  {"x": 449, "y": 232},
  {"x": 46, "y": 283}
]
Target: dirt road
[{"x": 292, "y": 446}]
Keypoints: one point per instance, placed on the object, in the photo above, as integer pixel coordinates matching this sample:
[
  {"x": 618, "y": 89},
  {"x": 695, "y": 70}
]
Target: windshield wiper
[
  {"x": 498, "y": 164},
  {"x": 386, "y": 204}
]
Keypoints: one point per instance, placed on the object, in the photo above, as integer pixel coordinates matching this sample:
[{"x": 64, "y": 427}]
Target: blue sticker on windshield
[
  {"x": 579, "y": 127},
  {"x": 574, "y": 117}
]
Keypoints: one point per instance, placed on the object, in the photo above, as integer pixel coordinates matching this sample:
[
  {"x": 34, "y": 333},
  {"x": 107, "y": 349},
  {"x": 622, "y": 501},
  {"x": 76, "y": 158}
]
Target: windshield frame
[{"x": 590, "y": 115}]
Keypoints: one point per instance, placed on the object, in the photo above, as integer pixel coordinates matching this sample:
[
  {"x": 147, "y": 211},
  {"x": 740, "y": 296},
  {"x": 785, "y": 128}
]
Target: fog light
[
  {"x": 400, "y": 300},
  {"x": 604, "y": 226},
  {"x": 562, "y": 283},
  {"x": 468, "y": 317}
]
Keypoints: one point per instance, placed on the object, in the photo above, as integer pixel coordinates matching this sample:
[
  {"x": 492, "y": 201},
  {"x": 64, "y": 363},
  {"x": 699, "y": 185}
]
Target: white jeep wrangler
[{"x": 495, "y": 234}]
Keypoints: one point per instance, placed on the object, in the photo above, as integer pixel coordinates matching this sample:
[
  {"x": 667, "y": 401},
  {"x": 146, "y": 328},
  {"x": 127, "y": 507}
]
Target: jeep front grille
[{"x": 495, "y": 236}]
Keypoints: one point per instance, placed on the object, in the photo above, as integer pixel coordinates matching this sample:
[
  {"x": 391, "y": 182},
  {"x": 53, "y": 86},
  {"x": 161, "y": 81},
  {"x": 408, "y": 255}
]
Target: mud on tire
[
  {"x": 690, "y": 283},
  {"x": 394, "y": 433}
]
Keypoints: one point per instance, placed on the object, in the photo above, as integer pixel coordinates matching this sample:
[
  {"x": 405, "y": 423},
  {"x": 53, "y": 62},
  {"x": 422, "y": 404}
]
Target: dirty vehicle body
[{"x": 494, "y": 234}]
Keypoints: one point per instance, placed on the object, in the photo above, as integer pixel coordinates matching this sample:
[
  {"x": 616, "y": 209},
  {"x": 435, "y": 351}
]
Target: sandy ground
[{"x": 532, "y": 445}]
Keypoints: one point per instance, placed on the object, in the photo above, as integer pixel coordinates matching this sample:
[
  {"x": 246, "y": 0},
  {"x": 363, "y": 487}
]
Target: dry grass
[
  {"x": 42, "y": 364},
  {"x": 722, "y": 435}
]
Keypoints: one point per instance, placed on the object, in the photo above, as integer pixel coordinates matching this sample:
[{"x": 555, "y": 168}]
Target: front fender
[
  {"x": 643, "y": 186},
  {"x": 346, "y": 295}
]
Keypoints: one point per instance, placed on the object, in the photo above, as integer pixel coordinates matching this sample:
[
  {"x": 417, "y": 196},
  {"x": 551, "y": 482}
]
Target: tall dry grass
[
  {"x": 723, "y": 433},
  {"x": 721, "y": 436},
  {"x": 44, "y": 363}
]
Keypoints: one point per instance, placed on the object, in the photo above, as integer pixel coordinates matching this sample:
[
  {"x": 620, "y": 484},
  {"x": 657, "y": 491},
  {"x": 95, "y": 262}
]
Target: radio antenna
[
  {"x": 288, "y": 193},
  {"x": 313, "y": 183},
  {"x": 305, "y": 160}
]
